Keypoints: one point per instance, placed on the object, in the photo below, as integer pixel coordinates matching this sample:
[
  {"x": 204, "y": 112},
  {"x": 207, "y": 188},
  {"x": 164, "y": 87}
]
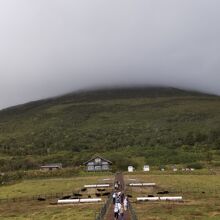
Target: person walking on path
[
  {"x": 116, "y": 185},
  {"x": 121, "y": 212},
  {"x": 118, "y": 197},
  {"x": 125, "y": 202},
  {"x": 116, "y": 210},
  {"x": 114, "y": 197}
]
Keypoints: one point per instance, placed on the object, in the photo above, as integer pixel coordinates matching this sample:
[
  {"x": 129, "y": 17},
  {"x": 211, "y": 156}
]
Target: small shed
[
  {"x": 98, "y": 163},
  {"x": 146, "y": 168},
  {"x": 50, "y": 167},
  {"x": 130, "y": 169}
]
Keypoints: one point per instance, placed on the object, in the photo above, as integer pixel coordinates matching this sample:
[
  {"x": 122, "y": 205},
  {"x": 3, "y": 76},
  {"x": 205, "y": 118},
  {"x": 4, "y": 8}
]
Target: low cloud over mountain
[{"x": 53, "y": 47}]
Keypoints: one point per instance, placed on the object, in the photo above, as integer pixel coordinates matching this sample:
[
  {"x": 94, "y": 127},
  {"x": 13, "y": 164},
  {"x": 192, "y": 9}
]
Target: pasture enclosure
[
  {"x": 36, "y": 199},
  {"x": 29, "y": 188},
  {"x": 200, "y": 194}
]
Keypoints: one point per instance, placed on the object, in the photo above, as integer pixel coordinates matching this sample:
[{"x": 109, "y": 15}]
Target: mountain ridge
[{"x": 118, "y": 91}]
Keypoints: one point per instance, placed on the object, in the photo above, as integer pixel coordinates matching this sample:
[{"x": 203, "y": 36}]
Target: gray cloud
[{"x": 50, "y": 47}]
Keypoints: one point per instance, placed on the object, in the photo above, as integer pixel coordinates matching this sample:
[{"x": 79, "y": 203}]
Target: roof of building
[
  {"x": 52, "y": 165},
  {"x": 97, "y": 156}
]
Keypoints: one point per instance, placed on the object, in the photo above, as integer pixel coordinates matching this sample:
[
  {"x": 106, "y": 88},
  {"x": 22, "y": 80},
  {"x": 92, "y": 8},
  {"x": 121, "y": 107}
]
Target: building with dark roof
[
  {"x": 52, "y": 166},
  {"x": 98, "y": 163}
]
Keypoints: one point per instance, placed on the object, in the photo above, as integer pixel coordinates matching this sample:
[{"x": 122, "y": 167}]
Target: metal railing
[
  {"x": 103, "y": 210},
  {"x": 105, "y": 207},
  {"x": 132, "y": 211}
]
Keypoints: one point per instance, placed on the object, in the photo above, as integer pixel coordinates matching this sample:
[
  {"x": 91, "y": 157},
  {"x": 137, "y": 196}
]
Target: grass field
[
  {"x": 42, "y": 210},
  {"x": 28, "y": 188},
  {"x": 201, "y": 197},
  {"x": 200, "y": 191}
]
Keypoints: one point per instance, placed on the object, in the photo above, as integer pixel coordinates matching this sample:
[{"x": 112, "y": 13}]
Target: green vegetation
[
  {"x": 201, "y": 195},
  {"x": 157, "y": 126}
]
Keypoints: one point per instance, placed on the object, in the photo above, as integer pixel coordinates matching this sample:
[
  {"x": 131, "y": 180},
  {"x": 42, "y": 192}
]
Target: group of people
[{"x": 120, "y": 203}]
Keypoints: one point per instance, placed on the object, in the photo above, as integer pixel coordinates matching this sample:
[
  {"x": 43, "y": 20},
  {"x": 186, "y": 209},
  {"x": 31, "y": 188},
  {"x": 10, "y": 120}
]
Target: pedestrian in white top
[
  {"x": 125, "y": 203},
  {"x": 116, "y": 211},
  {"x": 121, "y": 213},
  {"x": 114, "y": 197}
]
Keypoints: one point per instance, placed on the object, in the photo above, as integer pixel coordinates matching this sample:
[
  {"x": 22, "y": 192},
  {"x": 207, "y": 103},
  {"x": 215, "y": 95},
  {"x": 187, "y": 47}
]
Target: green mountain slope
[{"x": 150, "y": 125}]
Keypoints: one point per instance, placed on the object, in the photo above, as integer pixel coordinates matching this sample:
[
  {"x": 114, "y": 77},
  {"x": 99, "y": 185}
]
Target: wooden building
[
  {"x": 53, "y": 166},
  {"x": 98, "y": 163}
]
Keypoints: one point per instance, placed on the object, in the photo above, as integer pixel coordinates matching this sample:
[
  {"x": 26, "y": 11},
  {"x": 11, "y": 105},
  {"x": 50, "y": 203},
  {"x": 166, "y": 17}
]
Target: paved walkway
[{"x": 110, "y": 212}]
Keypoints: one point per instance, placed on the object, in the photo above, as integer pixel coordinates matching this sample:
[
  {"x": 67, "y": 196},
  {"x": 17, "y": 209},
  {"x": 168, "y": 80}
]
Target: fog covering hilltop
[
  {"x": 53, "y": 47},
  {"x": 105, "y": 93}
]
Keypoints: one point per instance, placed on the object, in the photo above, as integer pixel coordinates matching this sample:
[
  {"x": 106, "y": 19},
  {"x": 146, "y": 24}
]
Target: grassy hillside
[{"x": 157, "y": 126}]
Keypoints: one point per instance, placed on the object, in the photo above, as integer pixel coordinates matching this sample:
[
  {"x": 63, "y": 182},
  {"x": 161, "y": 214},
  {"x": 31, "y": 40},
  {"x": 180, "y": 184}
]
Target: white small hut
[
  {"x": 130, "y": 169},
  {"x": 146, "y": 168}
]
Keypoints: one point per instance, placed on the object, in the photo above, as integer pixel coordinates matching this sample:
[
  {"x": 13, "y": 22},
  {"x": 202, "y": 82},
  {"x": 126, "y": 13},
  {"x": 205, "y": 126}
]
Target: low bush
[{"x": 196, "y": 165}]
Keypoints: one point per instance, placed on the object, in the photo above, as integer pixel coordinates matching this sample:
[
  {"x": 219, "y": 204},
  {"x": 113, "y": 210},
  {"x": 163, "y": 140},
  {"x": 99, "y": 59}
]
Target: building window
[
  {"x": 98, "y": 167},
  {"x": 105, "y": 167},
  {"x": 97, "y": 160},
  {"x": 90, "y": 168}
]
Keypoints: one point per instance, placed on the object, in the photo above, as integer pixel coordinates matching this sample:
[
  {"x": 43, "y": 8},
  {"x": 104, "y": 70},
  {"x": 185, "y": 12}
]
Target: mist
[{"x": 51, "y": 47}]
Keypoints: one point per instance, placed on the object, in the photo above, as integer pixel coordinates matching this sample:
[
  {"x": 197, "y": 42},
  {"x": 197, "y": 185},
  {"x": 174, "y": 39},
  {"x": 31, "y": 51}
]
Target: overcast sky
[{"x": 50, "y": 47}]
